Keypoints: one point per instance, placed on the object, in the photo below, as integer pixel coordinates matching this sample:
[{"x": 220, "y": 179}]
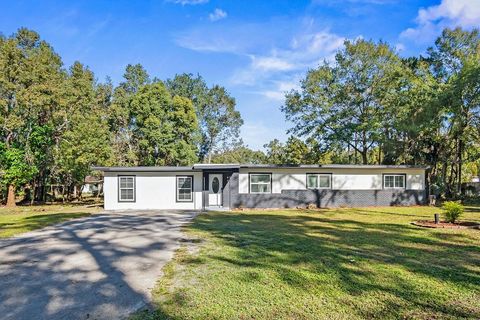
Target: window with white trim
[
  {"x": 260, "y": 183},
  {"x": 184, "y": 188},
  {"x": 394, "y": 181},
  {"x": 126, "y": 188},
  {"x": 319, "y": 181}
]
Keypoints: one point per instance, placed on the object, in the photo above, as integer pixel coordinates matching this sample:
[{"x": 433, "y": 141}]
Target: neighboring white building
[{"x": 204, "y": 186}]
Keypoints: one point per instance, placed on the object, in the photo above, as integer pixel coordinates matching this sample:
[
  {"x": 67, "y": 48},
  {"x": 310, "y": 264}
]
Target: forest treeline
[{"x": 369, "y": 105}]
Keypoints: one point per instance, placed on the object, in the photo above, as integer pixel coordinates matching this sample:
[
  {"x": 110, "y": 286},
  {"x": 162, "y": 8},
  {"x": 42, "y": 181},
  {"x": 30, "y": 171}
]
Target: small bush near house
[{"x": 452, "y": 210}]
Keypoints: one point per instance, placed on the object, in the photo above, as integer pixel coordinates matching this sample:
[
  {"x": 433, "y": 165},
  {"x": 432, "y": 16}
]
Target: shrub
[{"x": 452, "y": 210}]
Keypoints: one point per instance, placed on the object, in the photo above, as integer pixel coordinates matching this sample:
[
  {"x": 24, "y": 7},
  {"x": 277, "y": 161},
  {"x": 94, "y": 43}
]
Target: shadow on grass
[
  {"x": 13, "y": 224},
  {"x": 362, "y": 257}
]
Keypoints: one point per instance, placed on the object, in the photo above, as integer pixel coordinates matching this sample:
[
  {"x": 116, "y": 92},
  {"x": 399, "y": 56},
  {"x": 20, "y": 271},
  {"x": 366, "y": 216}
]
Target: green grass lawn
[
  {"x": 326, "y": 264},
  {"x": 26, "y": 218}
]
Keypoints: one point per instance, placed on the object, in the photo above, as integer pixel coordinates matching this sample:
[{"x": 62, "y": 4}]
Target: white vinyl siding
[
  {"x": 394, "y": 181},
  {"x": 153, "y": 191},
  {"x": 341, "y": 179},
  {"x": 260, "y": 183},
  {"x": 184, "y": 189},
  {"x": 319, "y": 181},
  {"x": 126, "y": 188}
]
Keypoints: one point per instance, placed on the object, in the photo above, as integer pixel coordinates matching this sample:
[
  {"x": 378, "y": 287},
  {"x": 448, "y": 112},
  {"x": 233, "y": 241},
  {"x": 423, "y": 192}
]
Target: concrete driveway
[{"x": 99, "y": 267}]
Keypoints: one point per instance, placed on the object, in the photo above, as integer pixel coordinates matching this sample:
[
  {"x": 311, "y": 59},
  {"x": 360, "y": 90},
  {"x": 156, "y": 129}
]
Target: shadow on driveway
[{"x": 99, "y": 267}]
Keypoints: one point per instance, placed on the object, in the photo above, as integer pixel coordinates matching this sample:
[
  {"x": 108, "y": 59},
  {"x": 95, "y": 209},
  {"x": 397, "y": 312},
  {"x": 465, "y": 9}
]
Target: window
[
  {"x": 394, "y": 181},
  {"x": 260, "y": 183},
  {"x": 126, "y": 188},
  {"x": 319, "y": 181},
  {"x": 215, "y": 185},
  {"x": 184, "y": 188}
]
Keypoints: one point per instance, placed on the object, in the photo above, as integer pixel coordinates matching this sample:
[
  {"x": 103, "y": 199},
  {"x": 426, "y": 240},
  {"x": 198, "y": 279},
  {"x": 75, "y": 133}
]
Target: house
[
  {"x": 225, "y": 186},
  {"x": 92, "y": 185}
]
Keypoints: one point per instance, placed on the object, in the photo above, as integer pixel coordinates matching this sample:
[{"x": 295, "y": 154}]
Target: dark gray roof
[
  {"x": 200, "y": 167},
  {"x": 215, "y": 166},
  {"x": 332, "y": 166},
  {"x": 144, "y": 169}
]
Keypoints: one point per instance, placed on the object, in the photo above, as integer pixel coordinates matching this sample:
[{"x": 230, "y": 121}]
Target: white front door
[{"x": 215, "y": 190}]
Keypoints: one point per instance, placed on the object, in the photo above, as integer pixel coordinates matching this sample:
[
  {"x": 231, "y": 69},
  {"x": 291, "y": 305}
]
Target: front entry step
[{"x": 217, "y": 208}]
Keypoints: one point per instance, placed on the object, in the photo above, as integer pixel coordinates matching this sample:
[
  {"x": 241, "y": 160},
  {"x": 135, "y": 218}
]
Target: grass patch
[
  {"x": 325, "y": 264},
  {"x": 27, "y": 218}
]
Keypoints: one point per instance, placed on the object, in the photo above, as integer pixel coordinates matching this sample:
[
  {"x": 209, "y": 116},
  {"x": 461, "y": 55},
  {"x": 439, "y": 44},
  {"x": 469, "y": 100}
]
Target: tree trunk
[
  {"x": 99, "y": 189},
  {"x": 364, "y": 156},
  {"x": 355, "y": 155},
  {"x": 79, "y": 188},
  {"x": 34, "y": 191},
  {"x": 444, "y": 174},
  {"x": 349, "y": 154},
  {"x": 11, "y": 196},
  {"x": 379, "y": 153},
  {"x": 459, "y": 170}
]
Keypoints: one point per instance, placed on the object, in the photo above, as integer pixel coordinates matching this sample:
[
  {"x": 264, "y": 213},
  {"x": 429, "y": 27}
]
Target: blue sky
[{"x": 257, "y": 49}]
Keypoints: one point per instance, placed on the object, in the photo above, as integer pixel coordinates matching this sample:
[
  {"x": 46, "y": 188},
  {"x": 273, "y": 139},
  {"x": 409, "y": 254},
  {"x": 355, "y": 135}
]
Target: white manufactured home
[{"x": 225, "y": 186}]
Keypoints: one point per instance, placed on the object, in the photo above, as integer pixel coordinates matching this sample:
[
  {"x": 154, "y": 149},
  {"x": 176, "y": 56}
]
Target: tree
[
  {"x": 135, "y": 77},
  {"x": 218, "y": 120},
  {"x": 411, "y": 116},
  {"x": 275, "y": 152},
  {"x": 340, "y": 104},
  {"x": 456, "y": 63},
  {"x": 296, "y": 151},
  {"x": 163, "y": 127},
  {"x": 85, "y": 138},
  {"x": 30, "y": 92},
  {"x": 120, "y": 119},
  {"x": 17, "y": 170},
  {"x": 239, "y": 154}
]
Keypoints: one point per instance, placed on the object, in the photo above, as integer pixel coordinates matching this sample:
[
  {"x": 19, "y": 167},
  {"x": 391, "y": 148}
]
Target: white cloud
[
  {"x": 330, "y": 2},
  {"x": 257, "y": 133},
  {"x": 277, "y": 93},
  {"x": 210, "y": 38},
  {"x": 271, "y": 63},
  {"x": 217, "y": 14},
  {"x": 274, "y": 95},
  {"x": 217, "y": 45},
  {"x": 304, "y": 51},
  {"x": 206, "y": 41},
  {"x": 449, "y": 13},
  {"x": 188, "y": 2}
]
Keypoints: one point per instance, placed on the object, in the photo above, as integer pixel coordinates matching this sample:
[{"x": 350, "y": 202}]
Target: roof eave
[
  {"x": 334, "y": 166},
  {"x": 145, "y": 169}
]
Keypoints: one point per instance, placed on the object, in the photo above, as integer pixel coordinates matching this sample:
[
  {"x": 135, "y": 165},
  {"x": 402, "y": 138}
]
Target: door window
[{"x": 215, "y": 185}]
